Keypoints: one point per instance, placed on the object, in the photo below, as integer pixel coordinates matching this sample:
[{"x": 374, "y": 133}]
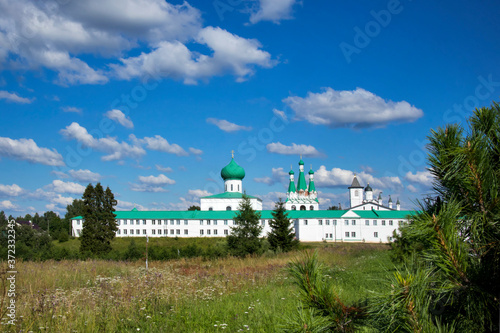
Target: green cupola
[{"x": 232, "y": 171}]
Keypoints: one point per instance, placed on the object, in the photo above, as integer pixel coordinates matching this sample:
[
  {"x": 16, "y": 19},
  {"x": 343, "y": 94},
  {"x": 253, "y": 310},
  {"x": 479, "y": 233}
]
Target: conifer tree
[
  {"x": 99, "y": 226},
  {"x": 282, "y": 235},
  {"x": 244, "y": 238}
]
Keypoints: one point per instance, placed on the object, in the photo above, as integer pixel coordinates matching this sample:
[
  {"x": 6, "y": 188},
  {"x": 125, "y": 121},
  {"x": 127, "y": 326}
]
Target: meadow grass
[{"x": 185, "y": 295}]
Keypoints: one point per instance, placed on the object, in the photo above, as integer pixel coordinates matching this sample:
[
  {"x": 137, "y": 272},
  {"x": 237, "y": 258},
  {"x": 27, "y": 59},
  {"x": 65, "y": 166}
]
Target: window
[
  {"x": 225, "y": 222},
  {"x": 201, "y": 222},
  {"x": 327, "y": 222},
  {"x": 165, "y": 231},
  {"x": 228, "y": 208},
  {"x": 334, "y": 222},
  {"x": 124, "y": 222},
  {"x": 201, "y": 232},
  {"x": 178, "y": 222},
  {"x": 137, "y": 222},
  {"x": 238, "y": 187},
  {"x": 356, "y": 193},
  {"x": 311, "y": 207},
  {"x": 177, "y": 231},
  {"x": 263, "y": 222},
  {"x": 226, "y": 232},
  {"x": 215, "y": 222},
  {"x": 124, "y": 231},
  {"x": 118, "y": 231},
  {"x": 331, "y": 235},
  {"x": 367, "y": 222},
  {"x": 185, "y": 231},
  {"x": 347, "y": 233},
  {"x": 375, "y": 234},
  {"x": 77, "y": 222},
  {"x": 215, "y": 231},
  {"x": 353, "y": 222},
  {"x": 294, "y": 208},
  {"x": 153, "y": 222},
  {"x": 171, "y": 222},
  {"x": 231, "y": 187},
  {"x": 185, "y": 222},
  {"x": 353, "y": 234},
  {"x": 305, "y": 222},
  {"x": 171, "y": 231},
  {"x": 208, "y": 231},
  {"x": 302, "y": 207},
  {"x": 326, "y": 235},
  {"x": 346, "y": 222},
  {"x": 208, "y": 222},
  {"x": 374, "y": 222},
  {"x": 153, "y": 232},
  {"x": 210, "y": 208},
  {"x": 159, "y": 231},
  {"x": 383, "y": 222},
  {"x": 390, "y": 222},
  {"x": 320, "y": 222},
  {"x": 131, "y": 231},
  {"x": 143, "y": 231}
]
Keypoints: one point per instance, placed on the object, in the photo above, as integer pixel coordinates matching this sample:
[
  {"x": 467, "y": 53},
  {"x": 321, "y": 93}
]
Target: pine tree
[
  {"x": 99, "y": 225},
  {"x": 282, "y": 235},
  {"x": 244, "y": 238}
]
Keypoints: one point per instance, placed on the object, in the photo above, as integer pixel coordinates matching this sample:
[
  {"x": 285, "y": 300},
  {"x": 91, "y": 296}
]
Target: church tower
[
  {"x": 302, "y": 197},
  {"x": 355, "y": 193}
]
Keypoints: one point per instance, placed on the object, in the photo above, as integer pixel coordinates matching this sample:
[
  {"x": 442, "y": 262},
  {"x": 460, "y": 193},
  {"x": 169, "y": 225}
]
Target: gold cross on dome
[{"x": 232, "y": 153}]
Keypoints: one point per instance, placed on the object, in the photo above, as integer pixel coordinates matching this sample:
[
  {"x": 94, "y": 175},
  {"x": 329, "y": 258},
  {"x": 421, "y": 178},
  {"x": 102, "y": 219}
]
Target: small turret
[
  {"x": 368, "y": 193},
  {"x": 390, "y": 202},
  {"x": 291, "y": 185},
  {"x": 380, "y": 198},
  {"x": 355, "y": 193},
  {"x": 398, "y": 205},
  {"x": 312, "y": 188}
]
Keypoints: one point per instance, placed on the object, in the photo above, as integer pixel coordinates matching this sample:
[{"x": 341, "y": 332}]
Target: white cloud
[
  {"x": 195, "y": 151},
  {"x": 280, "y": 114},
  {"x": 85, "y": 175},
  {"x": 7, "y": 204},
  {"x": 163, "y": 169},
  {"x": 278, "y": 176},
  {"x": 357, "y": 109},
  {"x": 273, "y": 10},
  {"x": 125, "y": 205},
  {"x": 62, "y": 201},
  {"x": 59, "y": 174},
  {"x": 269, "y": 199},
  {"x": 73, "y": 109},
  {"x": 294, "y": 149},
  {"x": 13, "y": 190},
  {"x": 198, "y": 193},
  {"x": 159, "y": 143},
  {"x": 230, "y": 54},
  {"x": 337, "y": 177},
  {"x": 60, "y": 186},
  {"x": 115, "y": 150},
  {"x": 28, "y": 150},
  {"x": 152, "y": 183},
  {"x": 412, "y": 188},
  {"x": 424, "y": 178},
  {"x": 227, "y": 126},
  {"x": 120, "y": 118},
  {"x": 13, "y": 97}
]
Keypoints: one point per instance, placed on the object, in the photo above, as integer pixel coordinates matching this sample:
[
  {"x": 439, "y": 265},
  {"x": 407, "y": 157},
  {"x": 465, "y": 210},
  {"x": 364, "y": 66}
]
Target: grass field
[{"x": 185, "y": 295}]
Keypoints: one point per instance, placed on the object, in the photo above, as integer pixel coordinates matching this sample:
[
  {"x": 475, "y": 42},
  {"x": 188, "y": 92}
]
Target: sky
[{"x": 150, "y": 97}]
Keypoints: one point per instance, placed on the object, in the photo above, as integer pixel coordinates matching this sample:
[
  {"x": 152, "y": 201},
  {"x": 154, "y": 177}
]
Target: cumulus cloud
[
  {"x": 159, "y": 143},
  {"x": 424, "y": 178},
  {"x": 8, "y": 205},
  {"x": 277, "y": 176},
  {"x": 227, "y": 126},
  {"x": 120, "y": 118},
  {"x": 195, "y": 151},
  {"x": 230, "y": 54},
  {"x": 126, "y": 205},
  {"x": 84, "y": 176},
  {"x": 60, "y": 186},
  {"x": 13, "y": 190},
  {"x": 152, "y": 183},
  {"x": 356, "y": 109},
  {"x": 269, "y": 199},
  {"x": 337, "y": 177},
  {"x": 28, "y": 150},
  {"x": 13, "y": 97},
  {"x": 412, "y": 188},
  {"x": 272, "y": 10},
  {"x": 294, "y": 149},
  {"x": 280, "y": 114},
  {"x": 116, "y": 150}
]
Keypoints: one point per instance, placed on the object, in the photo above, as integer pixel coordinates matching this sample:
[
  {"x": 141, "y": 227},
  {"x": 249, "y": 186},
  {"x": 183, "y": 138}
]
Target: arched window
[
  {"x": 302, "y": 207},
  {"x": 210, "y": 208},
  {"x": 294, "y": 208},
  {"x": 231, "y": 187},
  {"x": 356, "y": 193},
  {"x": 311, "y": 207},
  {"x": 238, "y": 187},
  {"x": 228, "y": 208}
]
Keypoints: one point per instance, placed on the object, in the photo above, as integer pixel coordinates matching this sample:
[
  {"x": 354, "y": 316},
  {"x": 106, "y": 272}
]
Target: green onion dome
[
  {"x": 232, "y": 171},
  {"x": 311, "y": 172}
]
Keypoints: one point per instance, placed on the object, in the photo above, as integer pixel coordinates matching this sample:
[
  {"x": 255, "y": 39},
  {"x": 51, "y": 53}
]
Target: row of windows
[
  {"x": 165, "y": 232},
  {"x": 353, "y": 222},
  {"x": 352, "y": 234},
  {"x": 212, "y": 232}
]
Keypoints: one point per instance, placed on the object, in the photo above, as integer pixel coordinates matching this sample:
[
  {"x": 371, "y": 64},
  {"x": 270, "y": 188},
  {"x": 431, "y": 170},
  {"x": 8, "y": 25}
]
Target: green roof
[
  {"x": 232, "y": 171},
  {"x": 291, "y": 187},
  {"x": 301, "y": 183},
  {"x": 265, "y": 214},
  {"x": 312, "y": 188},
  {"x": 229, "y": 195}
]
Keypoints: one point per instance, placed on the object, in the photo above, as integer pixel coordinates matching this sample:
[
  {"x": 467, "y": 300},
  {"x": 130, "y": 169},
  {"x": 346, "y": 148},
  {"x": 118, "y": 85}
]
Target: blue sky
[{"x": 150, "y": 97}]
